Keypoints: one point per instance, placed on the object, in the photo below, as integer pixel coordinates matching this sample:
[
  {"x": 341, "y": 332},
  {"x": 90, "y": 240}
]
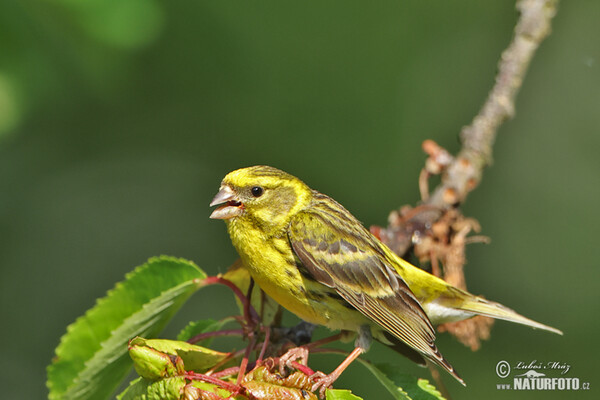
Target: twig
[
  {"x": 436, "y": 229},
  {"x": 464, "y": 173},
  {"x": 461, "y": 174}
]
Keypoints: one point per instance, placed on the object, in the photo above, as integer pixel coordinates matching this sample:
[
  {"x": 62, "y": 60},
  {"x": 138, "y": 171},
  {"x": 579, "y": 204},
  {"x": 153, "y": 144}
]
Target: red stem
[
  {"x": 330, "y": 351},
  {"x": 215, "y": 381},
  {"x": 244, "y": 363},
  {"x": 250, "y": 313},
  {"x": 248, "y": 303},
  {"x": 313, "y": 345},
  {"x": 264, "y": 345},
  {"x": 226, "y": 372},
  {"x": 206, "y": 335},
  {"x": 302, "y": 368}
]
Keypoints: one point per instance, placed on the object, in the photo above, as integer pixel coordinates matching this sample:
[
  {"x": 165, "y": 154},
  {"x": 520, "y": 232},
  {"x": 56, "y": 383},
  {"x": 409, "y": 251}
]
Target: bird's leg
[
  {"x": 362, "y": 343},
  {"x": 324, "y": 382},
  {"x": 301, "y": 352}
]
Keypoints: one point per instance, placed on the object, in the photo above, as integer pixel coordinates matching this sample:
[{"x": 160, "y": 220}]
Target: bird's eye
[{"x": 257, "y": 191}]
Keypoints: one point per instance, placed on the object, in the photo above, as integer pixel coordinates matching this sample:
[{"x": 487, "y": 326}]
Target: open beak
[{"x": 231, "y": 206}]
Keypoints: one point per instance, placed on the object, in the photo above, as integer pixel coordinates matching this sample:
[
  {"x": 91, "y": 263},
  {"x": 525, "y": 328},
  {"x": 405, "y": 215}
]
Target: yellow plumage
[{"x": 314, "y": 258}]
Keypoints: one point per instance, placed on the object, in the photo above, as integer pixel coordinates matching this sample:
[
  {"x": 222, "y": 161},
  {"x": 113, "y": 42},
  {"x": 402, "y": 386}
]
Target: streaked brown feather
[{"x": 340, "y": 253}]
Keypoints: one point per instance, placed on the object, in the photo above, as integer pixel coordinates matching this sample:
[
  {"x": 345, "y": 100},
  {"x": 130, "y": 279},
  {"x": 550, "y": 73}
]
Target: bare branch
[
  {"x": 436, "y": 230},
  {"x": 464, "y": 173}
]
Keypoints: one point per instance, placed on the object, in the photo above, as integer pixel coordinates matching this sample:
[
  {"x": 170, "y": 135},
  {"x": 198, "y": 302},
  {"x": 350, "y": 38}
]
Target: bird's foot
[
  {"x": 322, "y": 382},
  {"x": 295, "y": 354}
]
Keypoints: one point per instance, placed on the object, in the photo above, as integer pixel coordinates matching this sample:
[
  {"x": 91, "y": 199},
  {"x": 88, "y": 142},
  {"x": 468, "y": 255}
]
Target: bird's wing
[{"x": 339, "y": 252}]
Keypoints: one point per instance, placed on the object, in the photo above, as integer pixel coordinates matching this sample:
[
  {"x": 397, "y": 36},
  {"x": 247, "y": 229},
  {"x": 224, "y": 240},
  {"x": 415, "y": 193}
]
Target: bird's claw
[
  {"x": 296, "y": 353},
  {"x": 322, "y": 382}
]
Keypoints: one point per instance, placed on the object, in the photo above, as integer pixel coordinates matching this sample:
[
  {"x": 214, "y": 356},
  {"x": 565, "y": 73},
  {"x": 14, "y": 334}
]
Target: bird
[{"x": 314, "y": 258}]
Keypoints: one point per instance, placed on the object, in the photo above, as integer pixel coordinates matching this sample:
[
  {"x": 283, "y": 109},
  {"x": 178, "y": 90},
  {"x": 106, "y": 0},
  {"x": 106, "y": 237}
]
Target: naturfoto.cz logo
[{"x": 529, "y": 376}]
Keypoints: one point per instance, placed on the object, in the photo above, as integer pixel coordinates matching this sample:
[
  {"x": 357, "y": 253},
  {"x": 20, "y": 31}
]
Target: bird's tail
[
  {"x": 481, "y": 306},
  {"x": 445, "y": 303}
]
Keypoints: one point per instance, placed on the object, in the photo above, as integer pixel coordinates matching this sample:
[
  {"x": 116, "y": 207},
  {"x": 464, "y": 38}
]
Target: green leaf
[
  {"x": 143, "y": 389},
  {"x": 170, "y": 389},
  {"x": 197, "y": 327},
  {"x": 339, "y": 394},
  {"x": 402, "y": 386},
  {"x": 91, "y": 358},
  {"x": 195, "y": 358},
  {"x": 209, "y": 387},
  {"x": 153, "y": 364},
  {"x": 268, "y": 391},
  {"x": 417, "y": 388}
]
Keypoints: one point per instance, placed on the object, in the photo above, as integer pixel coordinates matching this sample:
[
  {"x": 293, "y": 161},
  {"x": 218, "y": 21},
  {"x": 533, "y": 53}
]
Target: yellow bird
[{"x": 317, "y": 260}]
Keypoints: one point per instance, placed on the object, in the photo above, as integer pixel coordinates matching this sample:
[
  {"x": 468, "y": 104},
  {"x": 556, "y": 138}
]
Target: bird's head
[{"x": 264, "y": 194}]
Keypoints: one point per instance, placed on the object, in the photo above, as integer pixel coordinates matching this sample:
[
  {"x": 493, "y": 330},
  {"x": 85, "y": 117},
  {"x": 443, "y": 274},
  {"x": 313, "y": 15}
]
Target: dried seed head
[{"x": 450, "y": 196}]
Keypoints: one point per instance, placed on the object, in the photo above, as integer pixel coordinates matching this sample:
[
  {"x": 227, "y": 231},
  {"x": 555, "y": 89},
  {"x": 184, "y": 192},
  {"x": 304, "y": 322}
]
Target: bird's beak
[{"x": 232, "y": 207}]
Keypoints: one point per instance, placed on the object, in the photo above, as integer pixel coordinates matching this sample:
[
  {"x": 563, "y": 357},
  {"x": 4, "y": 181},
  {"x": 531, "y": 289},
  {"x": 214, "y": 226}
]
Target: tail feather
[{"x": 481, "y": 306}]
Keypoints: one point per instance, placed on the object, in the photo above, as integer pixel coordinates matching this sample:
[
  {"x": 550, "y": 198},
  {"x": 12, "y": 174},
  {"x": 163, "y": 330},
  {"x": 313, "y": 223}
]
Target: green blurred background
[{"x": 118, "y": 119}]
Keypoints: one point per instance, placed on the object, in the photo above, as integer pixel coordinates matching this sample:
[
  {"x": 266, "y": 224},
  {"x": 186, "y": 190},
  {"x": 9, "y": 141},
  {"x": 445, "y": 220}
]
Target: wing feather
[{"x": 340, "y": 253}]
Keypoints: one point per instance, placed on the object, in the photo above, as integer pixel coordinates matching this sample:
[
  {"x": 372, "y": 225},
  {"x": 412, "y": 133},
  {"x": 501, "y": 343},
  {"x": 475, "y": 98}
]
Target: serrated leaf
[
  {"x": 340, "y": 394},
  {"x": 91, "y": 358},
  {"x": 143, "y": 389},
  {"x": 197, "y": 327},
  {"x": 430, "y": 389},
  {"x": 417, "y": 388},
  {"x": 402, "y": 386}
]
